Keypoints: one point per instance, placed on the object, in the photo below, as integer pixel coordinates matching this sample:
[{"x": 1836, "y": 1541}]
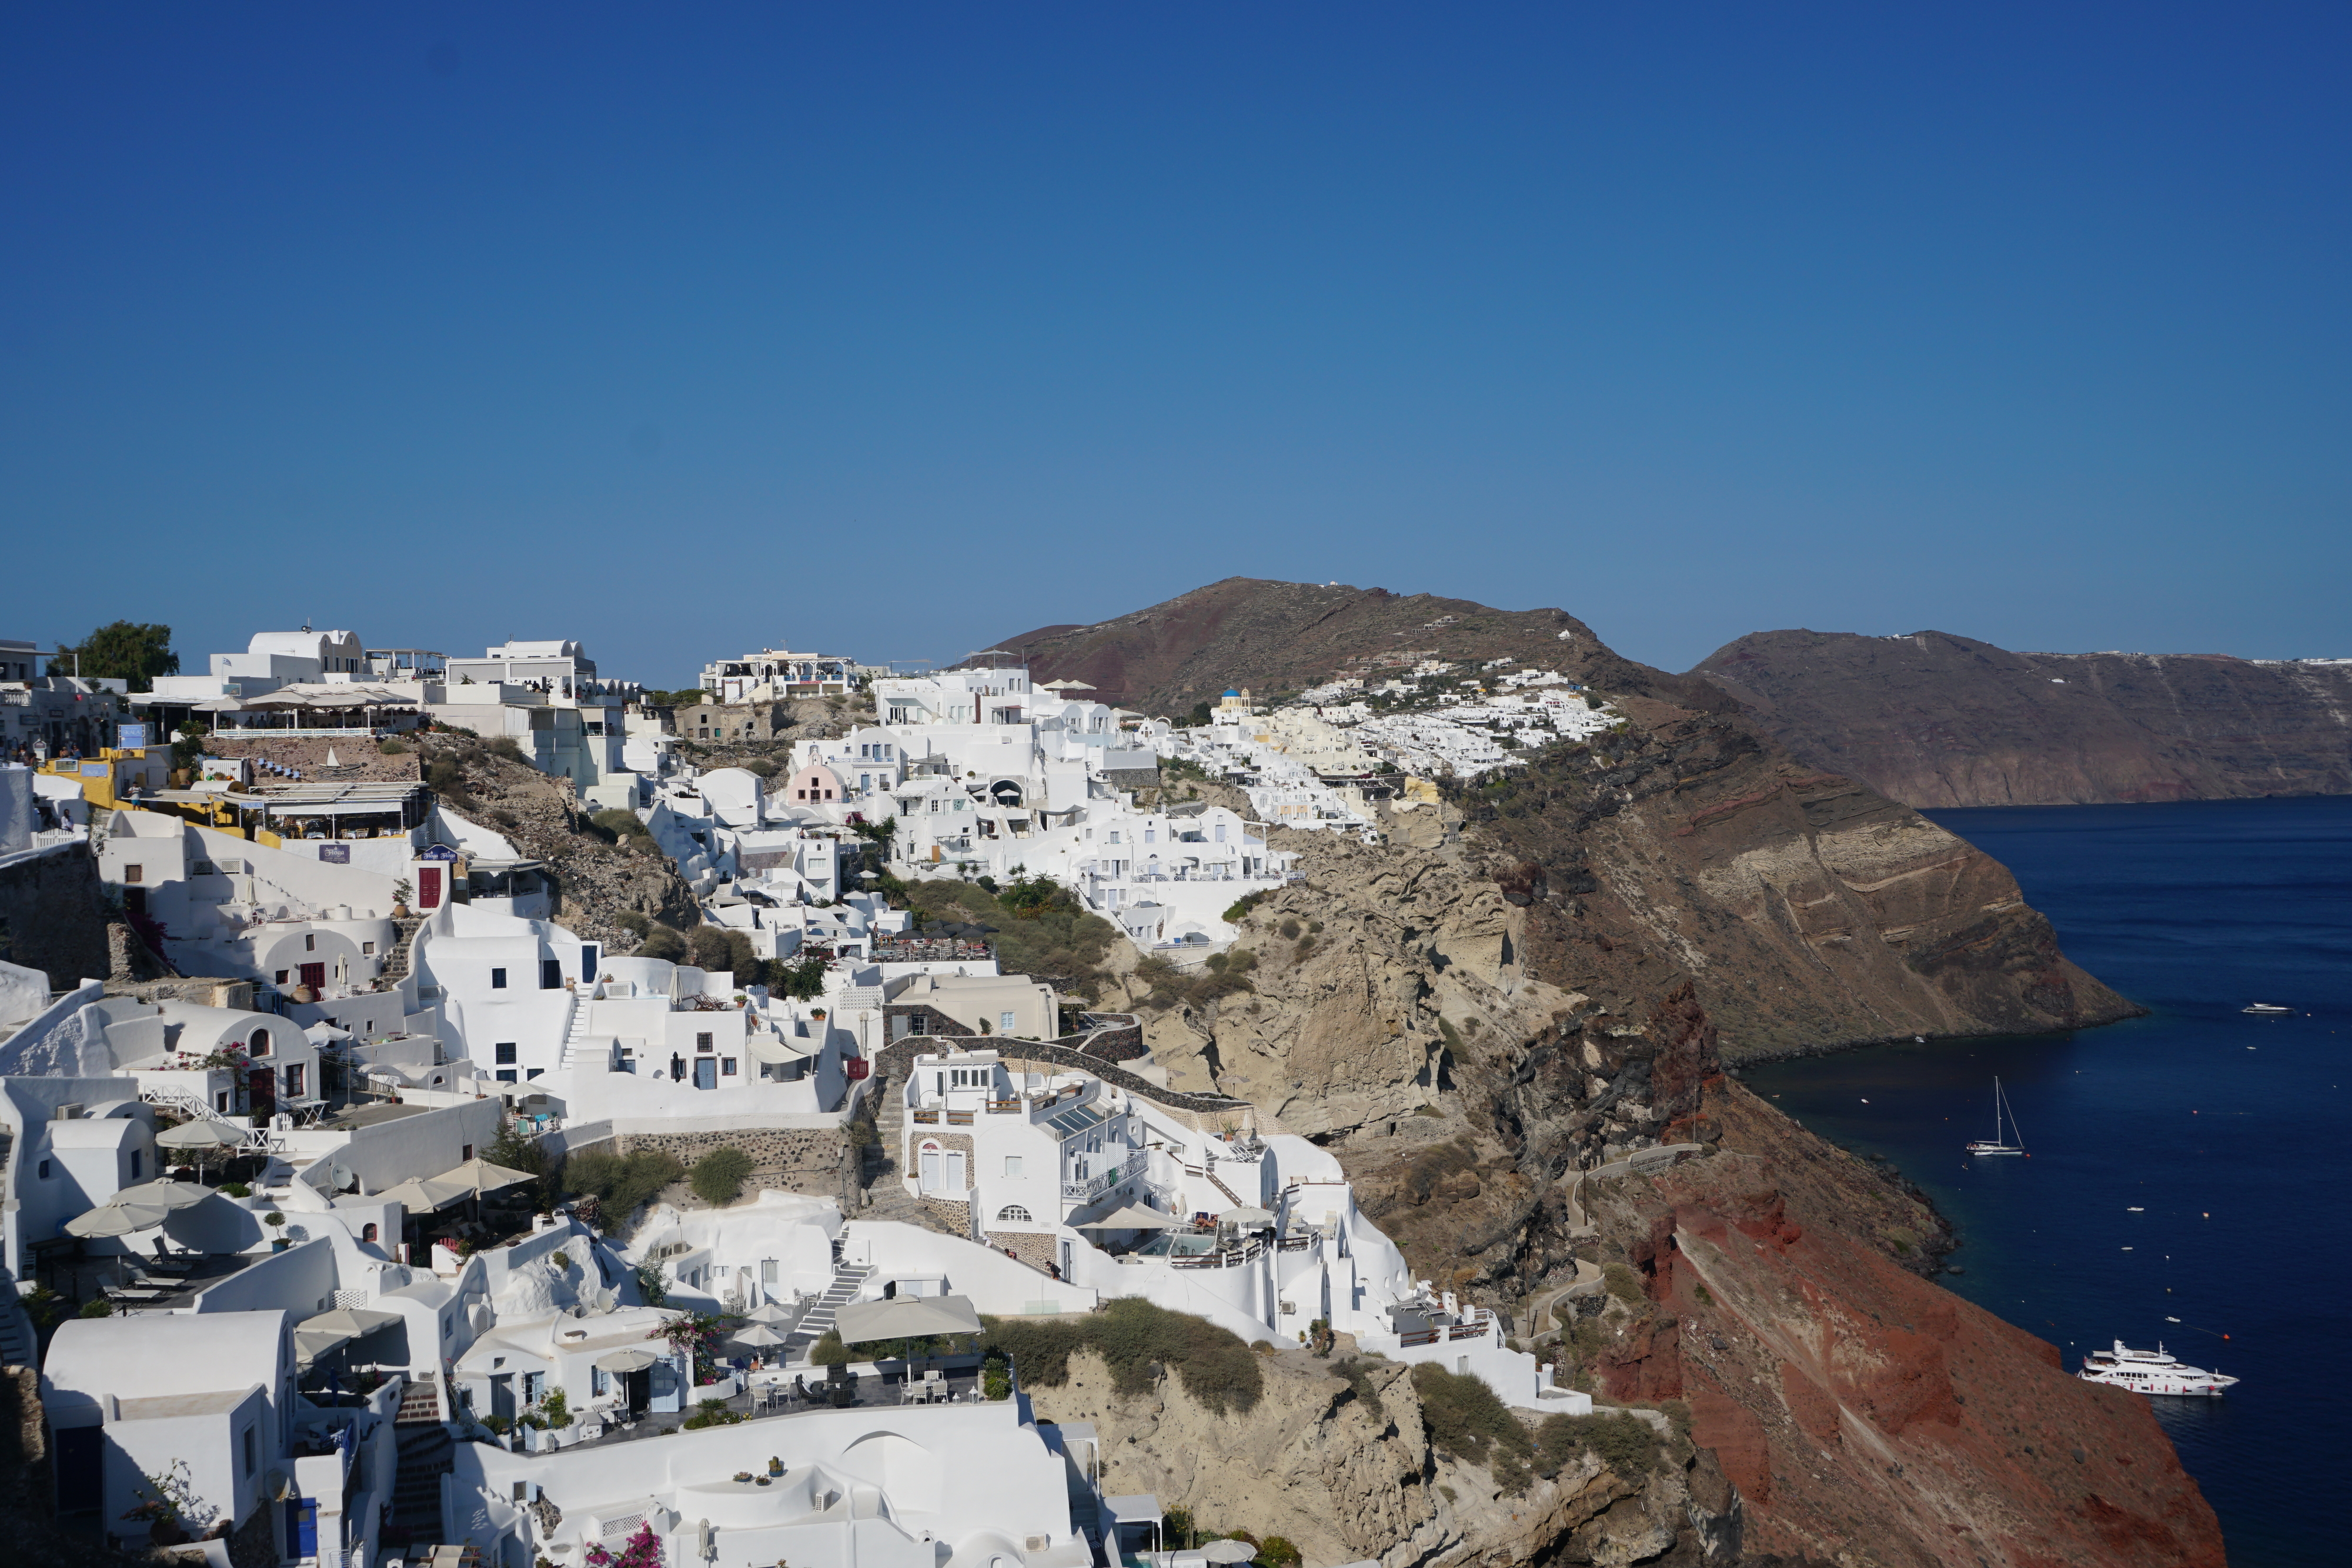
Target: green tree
[{"x": 129, "y": 651}]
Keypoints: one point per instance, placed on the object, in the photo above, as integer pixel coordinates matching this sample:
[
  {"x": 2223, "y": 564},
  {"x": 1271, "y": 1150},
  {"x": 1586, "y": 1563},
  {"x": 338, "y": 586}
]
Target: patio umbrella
[
  {"x": 201, "y": 1133},
  {"x": 115, "y": 1219},
  {"x": 314, "y": 1337},
  {"x": 164, "y": 1195},
  {"x": 1136, "y": 1217},
  {"x": 768, "y": 1312},
  {"x": 906, "y": 1317},
  {"x": 625, "y": 1361},
  {"x": 1228, "y": 1550},
  {"x": 758, "y": 1334}
]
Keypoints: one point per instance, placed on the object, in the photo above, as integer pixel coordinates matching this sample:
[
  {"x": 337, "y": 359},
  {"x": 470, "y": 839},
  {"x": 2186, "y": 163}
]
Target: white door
[
  {"x": 955, "y": 1173},
  {"x": 930, "y": 1181}
]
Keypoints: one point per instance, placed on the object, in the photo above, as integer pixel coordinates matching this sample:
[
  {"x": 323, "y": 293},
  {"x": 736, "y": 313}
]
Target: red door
[
  {"x": 428, "y": 887},
  {"x": 315, "y": 975},
  {"x": 261, "y": 1084}
]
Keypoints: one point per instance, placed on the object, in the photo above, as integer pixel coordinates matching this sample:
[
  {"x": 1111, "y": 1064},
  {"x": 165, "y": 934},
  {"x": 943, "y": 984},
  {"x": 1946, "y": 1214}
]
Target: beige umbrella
[
  {"x": 164, "y": 1195},
  {"x": 115, "y": 1219},
  {"x": 1229, "y": 1551},
  {"x": 906, "y": 1317},
  {"x": 768, "y": 1312},
  {"x": 1136, "y": 1217},
  {"x": 471, "y": 1179},
  {"x": 625, "y": 1361}
]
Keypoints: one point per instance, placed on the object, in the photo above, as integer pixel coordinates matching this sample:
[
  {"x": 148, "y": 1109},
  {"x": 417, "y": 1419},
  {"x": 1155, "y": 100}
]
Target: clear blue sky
[{"x": 895, "y": 328}]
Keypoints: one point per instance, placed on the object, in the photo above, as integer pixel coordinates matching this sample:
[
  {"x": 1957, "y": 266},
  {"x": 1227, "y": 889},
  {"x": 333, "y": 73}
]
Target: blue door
[
  {"x": 705, "y": 1073},
  {"x": 302, "y": 1526}
]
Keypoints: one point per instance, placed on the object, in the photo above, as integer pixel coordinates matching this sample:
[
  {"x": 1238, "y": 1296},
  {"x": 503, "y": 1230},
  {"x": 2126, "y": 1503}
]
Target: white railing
[{"x": 1095, "y": 1186}]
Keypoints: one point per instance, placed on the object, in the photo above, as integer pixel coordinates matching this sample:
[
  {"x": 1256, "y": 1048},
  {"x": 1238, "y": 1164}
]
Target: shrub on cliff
[
  {"x": 621, "y": 1183},
  {"x": 1132, "y": 1335},
  {"x": 1623, "y": 1443},
  {"x": 717, "y": 1177},
  {"x": 1469, "y": 1420},
  {"x": 1624, "y": 1283}
]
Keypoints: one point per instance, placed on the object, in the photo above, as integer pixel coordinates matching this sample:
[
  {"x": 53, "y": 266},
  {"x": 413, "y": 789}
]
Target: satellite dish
[{"x": 343, "y": 1178}]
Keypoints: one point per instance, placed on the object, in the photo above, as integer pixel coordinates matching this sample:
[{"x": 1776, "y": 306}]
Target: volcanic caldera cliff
[{"x": 1932, "y": 719}]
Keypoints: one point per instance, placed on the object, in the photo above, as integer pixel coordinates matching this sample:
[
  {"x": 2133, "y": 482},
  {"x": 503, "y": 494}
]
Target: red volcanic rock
[{"x": 1868, "y": 1415}]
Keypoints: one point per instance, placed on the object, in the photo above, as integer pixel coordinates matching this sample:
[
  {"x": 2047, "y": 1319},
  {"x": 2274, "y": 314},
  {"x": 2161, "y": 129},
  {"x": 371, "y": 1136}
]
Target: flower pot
[
  {"x": 278, "y": 1244},
  {"x": 167, "y": 1533}
]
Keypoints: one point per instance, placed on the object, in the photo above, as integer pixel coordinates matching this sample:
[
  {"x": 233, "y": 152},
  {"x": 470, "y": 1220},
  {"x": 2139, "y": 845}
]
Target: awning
[
  {"x": 780, "y": 1047},
  {"x": 1134, "y": 1218},
  {"x": 625, "y": 1361},
  {"x": 314, "y": 1337},
  {"x": 1134, "y": 1508},
  {"x": 906, "y": 1317},
  {"x": 1228, "y": 1552}
]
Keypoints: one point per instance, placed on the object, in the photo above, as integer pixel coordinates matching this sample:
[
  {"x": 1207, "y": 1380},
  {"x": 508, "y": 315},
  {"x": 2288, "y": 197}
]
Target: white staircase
[
  {"x": 575, "y": 1034},
  {"x": 849, "y": 1279}
]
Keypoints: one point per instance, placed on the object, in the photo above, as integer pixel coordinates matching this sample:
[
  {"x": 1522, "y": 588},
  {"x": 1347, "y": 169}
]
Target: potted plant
[
  {"x": 400, "y": 892},
  {"x": 165, "y": 1504},
  {"x": 277, "y": 1222},
  {"x": 775, "y": 1465}
]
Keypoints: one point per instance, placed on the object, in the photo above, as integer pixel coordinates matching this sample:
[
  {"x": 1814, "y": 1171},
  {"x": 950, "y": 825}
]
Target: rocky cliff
[
  {"x": 1932, "y": 719},
  {"x": 1534, "y": 977},
  {"x": 604, "y": 891}
]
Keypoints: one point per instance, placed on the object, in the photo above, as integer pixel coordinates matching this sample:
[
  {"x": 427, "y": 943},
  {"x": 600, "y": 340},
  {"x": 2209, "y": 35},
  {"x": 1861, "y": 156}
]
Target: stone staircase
[
  {"x": 847, "y": 1279},
  {"x": 19, "y": 1345},
  {"x": 424, "y": 1449},
  {"x": 396, "y": 963}
]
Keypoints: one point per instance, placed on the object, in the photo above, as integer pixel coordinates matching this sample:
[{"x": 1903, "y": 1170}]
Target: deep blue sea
[{"x": 2190, "y": 1176}]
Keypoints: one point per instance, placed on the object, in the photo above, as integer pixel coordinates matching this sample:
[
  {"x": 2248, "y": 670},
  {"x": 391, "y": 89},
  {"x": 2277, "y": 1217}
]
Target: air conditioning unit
[
  {"x": 1035, "y": 1542},
  {"x": 70, "y": 1111}
]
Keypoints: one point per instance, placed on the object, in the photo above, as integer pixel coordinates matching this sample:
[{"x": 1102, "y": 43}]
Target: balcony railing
[{"x": 1101, "y": 1182}]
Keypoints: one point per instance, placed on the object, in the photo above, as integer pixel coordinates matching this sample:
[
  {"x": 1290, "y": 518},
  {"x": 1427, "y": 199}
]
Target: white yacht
[
  {"x": 2000, "y": 1143},
  {"x": 2150, "y": 1372},
  {"x": 2267, "y": 1009}
]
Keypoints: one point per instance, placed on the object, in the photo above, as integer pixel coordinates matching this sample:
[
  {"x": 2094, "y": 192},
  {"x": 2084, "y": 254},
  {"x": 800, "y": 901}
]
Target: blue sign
[
  {"x": 335, "y": 854},
  {"x": 130, "y": 737}
]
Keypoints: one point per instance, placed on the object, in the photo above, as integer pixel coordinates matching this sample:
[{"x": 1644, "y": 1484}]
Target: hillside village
[{"x": 380, "y": 1178}]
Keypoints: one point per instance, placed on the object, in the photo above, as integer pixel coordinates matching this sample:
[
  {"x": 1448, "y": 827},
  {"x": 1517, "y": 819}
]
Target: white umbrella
[
  {"x": 906, "y": 1317},
  {"x": 625, "y": 1361},
  {"x": 768, "y": 1312},
  {"x": 758, "y": 1334},
  {"x": 201, "y": 1133},
  {"x": 1228, "y": 1552},
  {"x": 115, "y": 1219},
  {"x": 164, "y": 1195}
]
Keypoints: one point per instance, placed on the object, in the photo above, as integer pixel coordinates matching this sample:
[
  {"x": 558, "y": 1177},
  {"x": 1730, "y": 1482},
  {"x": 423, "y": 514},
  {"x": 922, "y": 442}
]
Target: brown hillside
[{"x": 1932, "y": 719}]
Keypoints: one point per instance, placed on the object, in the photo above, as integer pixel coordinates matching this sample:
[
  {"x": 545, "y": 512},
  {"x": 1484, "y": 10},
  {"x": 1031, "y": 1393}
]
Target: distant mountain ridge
[{"x": 1936, "y": 719}]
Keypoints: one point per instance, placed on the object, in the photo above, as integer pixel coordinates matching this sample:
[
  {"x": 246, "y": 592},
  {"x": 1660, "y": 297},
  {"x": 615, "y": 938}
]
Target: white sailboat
[{"x": 1999, "y": 1144}]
